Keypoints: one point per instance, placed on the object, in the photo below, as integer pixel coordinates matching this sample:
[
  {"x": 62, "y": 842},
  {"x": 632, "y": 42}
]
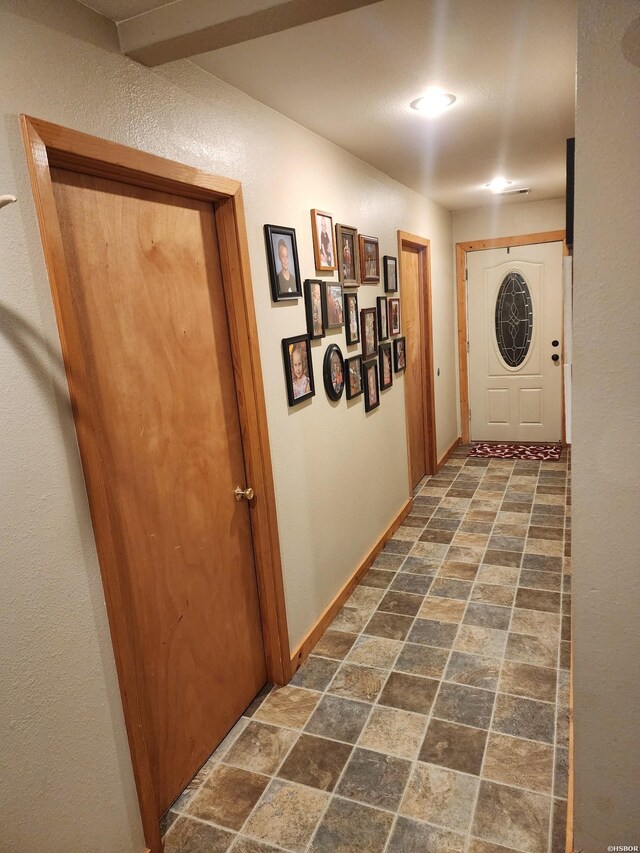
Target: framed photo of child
[
  {"x": 348, "y": 255},
  {"x": 390, "y": 274},
  {"x": 298, "y": 368},
  {"x": 351, "y": 328},
  {"x": 369, "y": 331},
  {"x": 282, "y": 257},
  {"x": 383, "y": 318},
  {"x": 353, "y": 369},
  {"x": 399, "y": 354},
  {"x": 386, "y": 369},
  {"x": 333, "y": 372},
  {"x": 369, "y": 260},
  {"x": 313, "y": 289},
  {"x": 324, "y": 246},
  {"x": 394, "y": 316},
  {"x": 370, "y": 381},
  {"x": 333, "y": 305}
]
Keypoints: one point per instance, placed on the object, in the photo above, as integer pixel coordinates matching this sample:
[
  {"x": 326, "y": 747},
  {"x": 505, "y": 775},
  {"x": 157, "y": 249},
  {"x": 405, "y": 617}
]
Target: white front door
[{"x": 514, "y": 300}]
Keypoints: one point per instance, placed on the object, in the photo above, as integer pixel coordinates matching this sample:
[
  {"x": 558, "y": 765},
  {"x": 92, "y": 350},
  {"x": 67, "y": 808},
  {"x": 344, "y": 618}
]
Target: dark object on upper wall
[
  {"x": 282, "y": 255},
  {"x": 571, "y": 161}
]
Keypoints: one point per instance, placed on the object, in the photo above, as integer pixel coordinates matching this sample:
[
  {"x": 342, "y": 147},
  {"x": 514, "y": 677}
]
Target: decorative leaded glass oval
[{"x": 514, "y": 319}]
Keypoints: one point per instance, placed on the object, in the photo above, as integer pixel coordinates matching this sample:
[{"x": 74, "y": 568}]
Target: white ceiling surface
[{"x": 350, "y": 78}]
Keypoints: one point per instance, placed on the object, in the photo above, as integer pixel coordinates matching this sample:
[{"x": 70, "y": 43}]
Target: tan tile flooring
[{"x": 433, "y": 714}]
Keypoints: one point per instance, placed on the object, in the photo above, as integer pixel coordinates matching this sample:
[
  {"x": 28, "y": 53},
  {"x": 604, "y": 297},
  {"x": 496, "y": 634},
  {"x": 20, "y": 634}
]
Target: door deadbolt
[
  {"x": 555, "y": 357},
  {"x": 243, "y": 494}
]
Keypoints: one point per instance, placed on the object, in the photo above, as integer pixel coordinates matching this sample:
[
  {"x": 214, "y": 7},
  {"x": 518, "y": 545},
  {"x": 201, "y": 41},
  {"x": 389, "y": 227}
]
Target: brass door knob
[{"x": 243, "y": 494}]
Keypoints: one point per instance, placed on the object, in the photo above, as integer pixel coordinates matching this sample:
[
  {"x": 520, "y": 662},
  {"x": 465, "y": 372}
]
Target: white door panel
[{"x": 515, "y": 395}]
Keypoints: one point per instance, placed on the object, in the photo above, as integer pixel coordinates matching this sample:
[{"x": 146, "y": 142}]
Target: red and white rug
[{"x": 533, "y": 452}]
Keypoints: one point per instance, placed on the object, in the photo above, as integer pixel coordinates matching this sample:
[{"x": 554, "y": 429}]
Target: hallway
[{"x": 434, "y": 711}]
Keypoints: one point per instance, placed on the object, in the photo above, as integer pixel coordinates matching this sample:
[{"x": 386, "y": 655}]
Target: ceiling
[{"x": 351, "y": 77}]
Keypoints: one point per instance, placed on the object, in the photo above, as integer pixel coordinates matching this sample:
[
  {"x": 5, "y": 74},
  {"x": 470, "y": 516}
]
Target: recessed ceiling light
[
  {"x": 434, "y": 102},
  {"x": 497, "y": 185}
]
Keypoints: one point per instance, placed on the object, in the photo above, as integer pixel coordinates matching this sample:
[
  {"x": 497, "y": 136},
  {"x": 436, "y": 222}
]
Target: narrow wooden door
[
  {"x": 149, "y": 301},
  {"x": 418, "y": 379},
  {"x": 515, "y": 343}
]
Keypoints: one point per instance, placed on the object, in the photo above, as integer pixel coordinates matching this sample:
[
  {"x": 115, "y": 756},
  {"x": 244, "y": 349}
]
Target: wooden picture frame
[
  {"x": 298, "y": 368},
  {"x": 390, "y": 265},
  {"x": 369, "y": 332},
  {"x": 333, "y": 305},
  {"x": 399, "y": 354},
  {"x": 324, "y": 245},
  {"x": 382, "y": 311},
  {"x": 333, "y": 372},
  {"x": 386, "y": 366},
  {"x": 394, "y": 316},
  {"x": 313, "y": 297},
  {"x": 370, "y": 382},
  {"x": 354, "y": 384},
  {"x": 369, "y": 259},
  {"x": 348, "y": 255},
  {"x": 351, "y": 325},
  {"x": 282, "y": 257}
]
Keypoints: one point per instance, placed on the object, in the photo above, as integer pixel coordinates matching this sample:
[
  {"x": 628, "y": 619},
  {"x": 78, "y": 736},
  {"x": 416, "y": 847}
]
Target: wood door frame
[
  {"x": 425, "y": 324},
  {"x": 48, "y": 145},
  {"x": 463, "y": 333}
]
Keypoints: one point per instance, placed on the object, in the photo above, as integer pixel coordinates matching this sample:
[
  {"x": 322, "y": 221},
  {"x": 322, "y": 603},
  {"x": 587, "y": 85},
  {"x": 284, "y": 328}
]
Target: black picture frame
[
  {"x": 348, "y": 251},
  {"x": 369, "y": 333},
  {"x": 333, "y": 372},
  {"x": 298, "y": 391},
  {"x": 386, "y": 366},
  {"x": 277, "y": 236},
  {"x": 370, "y": 382},
  {"x": 313, "y": 297},
  {"x": 395, "y": 320},
  {"x": 399, "y": 354},
  {"x": 333, "y": 305},
  {"x": 382, "y": 310},
  {"x": 351, "y": 324},
  {"x": 369, "y": 248},
  {"x": 353, "y": 368},
  {"x": 390, "y": 265}
]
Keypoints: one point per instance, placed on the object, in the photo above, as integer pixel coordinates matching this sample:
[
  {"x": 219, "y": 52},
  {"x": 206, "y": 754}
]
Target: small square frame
[
  {"x": 353, "y": 366},
  {"x": 390, "y": 265},
  {"x": 274, "y": 236},
  {"x": 333, "y": 305},
  {"x": 324, "y": 245},
  {"x": 369, "y": 259}
]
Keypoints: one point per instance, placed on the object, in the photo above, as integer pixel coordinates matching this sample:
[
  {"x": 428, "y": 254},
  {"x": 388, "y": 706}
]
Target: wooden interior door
[
  {"x": 418, "y": 378},
  {"x": 148, "y": 295}
]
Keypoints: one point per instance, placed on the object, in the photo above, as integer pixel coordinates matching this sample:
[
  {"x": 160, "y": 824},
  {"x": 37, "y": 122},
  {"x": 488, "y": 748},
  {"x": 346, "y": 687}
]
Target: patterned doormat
[{"x": 537, "y": 452}]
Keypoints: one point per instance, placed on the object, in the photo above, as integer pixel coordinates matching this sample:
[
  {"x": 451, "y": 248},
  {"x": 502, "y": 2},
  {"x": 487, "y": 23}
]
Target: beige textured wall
[
  {"x": 341, "y": 476},
  {"x": 606, "y": 427},
  {"x": 505, "y": 220}
]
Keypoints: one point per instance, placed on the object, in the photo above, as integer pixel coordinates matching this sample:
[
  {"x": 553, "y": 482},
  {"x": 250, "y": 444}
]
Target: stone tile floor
[{"x": 433, "y": 714}]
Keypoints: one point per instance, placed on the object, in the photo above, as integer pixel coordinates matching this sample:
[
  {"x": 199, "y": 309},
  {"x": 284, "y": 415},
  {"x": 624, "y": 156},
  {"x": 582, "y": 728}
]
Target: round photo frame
[{"x": 333, "y": 372}]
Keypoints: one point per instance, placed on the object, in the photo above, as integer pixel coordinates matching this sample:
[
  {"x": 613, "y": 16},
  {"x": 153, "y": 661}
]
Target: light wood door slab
[{"x": 414, "y": 373}]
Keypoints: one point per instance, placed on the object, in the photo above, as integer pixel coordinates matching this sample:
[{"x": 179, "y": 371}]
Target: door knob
[
  {"x": 554, "y": 357},
  {"x": 243, "y": 494}
]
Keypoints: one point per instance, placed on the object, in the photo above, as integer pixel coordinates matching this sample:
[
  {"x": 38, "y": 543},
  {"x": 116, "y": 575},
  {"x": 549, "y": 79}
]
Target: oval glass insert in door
[{"x": 514, "y": 319}]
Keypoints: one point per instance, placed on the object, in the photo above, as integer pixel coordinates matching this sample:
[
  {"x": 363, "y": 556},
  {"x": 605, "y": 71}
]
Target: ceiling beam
[{"x": 189, "y": 27}]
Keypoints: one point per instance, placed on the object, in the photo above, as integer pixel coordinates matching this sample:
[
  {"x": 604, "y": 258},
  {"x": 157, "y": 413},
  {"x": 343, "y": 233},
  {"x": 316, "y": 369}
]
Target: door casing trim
[
  {"x": 48, "y": 145},
  {"x": 425, "y": 320},
  {"x": 461, "y": 294}
]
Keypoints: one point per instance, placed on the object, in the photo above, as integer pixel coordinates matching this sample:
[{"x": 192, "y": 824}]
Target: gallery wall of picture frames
[{"x": 331, "y": 305}]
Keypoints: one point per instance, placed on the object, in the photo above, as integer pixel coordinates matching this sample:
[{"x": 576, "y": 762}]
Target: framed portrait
[
  {"x": 324, "y": 246},
  {"x": 351, "y": 327},
  {"x": 386, "y": 367},
  {"x": 333, "y": 372},
  {"x": 354, "y": 382},
  {"x": 369, "y": 260},
  {"x": 399, "y": 354},
  {"x": 370, "y": 382},
  {"x": 298, "y": 368},
  {"x": 313, "y": 290},
  {"x": 383, "y": 318},
  {"x": 390, "y": 274},
  {"x": 282, "y": 256},
  {"x": 394, "y": 316},
  {"x": 348, "y": 255},
  {"x": 333, "y": 305},
  {"x": 369, "y": 332}
]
